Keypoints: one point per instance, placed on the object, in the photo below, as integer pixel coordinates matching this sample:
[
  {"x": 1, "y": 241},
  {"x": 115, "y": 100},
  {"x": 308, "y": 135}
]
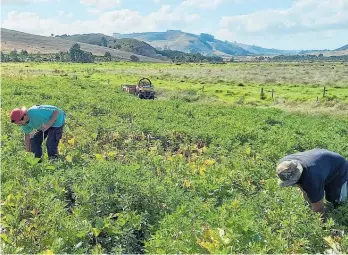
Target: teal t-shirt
[{"x": 41, "y": 114}]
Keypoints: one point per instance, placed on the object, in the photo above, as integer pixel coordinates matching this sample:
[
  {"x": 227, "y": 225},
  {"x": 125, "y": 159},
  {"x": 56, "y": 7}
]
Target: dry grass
[
  {"x": 11, "y": 40},
  {"x": 337, "y": 109},
  {"x": 332, "y": 53},
  {"x": 314, "y": 74},
  {"x": 297, "y": 87}
]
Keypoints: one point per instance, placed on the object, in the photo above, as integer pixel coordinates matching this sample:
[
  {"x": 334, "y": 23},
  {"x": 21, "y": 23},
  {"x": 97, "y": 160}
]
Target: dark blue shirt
[{"x": 323, "y": 171}]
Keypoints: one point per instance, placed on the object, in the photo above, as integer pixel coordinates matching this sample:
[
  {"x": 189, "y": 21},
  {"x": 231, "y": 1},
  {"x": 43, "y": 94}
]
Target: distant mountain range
[
  {"x": 150, "y": 46},
  {"x": 205, "y": 44},
  {"x": 345, "y": 47}
]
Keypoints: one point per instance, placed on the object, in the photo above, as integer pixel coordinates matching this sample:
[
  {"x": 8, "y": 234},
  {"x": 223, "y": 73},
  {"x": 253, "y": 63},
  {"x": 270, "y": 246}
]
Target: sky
[{"x": 279, "y": 24}]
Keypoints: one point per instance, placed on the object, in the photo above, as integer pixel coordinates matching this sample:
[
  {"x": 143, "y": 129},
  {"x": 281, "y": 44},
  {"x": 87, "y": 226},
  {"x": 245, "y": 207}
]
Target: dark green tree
[
  {"x": 14, "y": 56},
  {"x": 104, "y": 42},
  {"x": 78, "y": 55},
  {"x": 74, "y": 52},
  {"x": 4, "y": 58},
  {"x": 62, "y": 56},
  {"x": 57, "y": 57},
  {"x": 134, "y": 58},
  {"x": 107, "y": 56},
  {"x": 24, "y": 52}
]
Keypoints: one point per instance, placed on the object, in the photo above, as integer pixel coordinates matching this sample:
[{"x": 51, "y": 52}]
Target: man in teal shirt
[{"x": 47, "y": 120}]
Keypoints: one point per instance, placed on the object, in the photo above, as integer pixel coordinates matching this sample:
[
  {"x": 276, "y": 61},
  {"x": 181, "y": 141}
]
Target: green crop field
[{"x": 190, "y": 172}]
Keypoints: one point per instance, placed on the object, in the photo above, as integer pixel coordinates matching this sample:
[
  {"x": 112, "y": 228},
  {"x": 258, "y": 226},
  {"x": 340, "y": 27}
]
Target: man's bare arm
[
  {"x": 27, "y": 143},
  {"x": 304, "y": 194},
  {"x": 318, "y": 206}
]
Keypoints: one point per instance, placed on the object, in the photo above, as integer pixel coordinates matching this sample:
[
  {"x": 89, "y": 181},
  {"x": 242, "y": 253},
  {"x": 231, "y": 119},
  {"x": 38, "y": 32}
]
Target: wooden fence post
[{"x": 262, "y": 94}]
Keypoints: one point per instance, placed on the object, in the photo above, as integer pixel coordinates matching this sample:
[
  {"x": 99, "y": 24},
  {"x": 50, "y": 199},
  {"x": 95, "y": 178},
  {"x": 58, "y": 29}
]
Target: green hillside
[
  {"x": 128, "y": 44},
  {"x": 135, "y": 46},
  {"x": 96, "y": 39},
  {"x": 203, "y": 43}
]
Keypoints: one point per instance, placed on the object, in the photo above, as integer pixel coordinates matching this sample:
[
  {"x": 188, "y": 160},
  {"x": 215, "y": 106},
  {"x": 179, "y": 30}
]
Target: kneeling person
[
  {"x": 48, "y": 120},
  {"x": 317, "y": 172}
]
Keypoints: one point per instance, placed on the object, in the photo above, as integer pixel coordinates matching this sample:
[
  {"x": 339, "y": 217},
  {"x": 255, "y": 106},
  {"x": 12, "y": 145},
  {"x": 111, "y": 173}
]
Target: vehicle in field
[{"x": 144, "y": 89}]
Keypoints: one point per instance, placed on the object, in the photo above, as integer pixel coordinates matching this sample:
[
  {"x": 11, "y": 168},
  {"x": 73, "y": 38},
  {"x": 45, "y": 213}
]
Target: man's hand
[
  {"x": 320, "y": 208},
  {"x": 51, "y": 121},
  {"x": 44, "y": 127}
]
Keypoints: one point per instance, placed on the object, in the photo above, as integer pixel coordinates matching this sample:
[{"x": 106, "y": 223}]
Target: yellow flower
[
  {"x": 187, "y": 183},
  {"x": 248, "y": 151},
  {"x": 99, "y": 156},
  {"x": 112, "y": 154},
  {"x": 47, "y": 252},
  {"x": 209, "y": 162},
  {"x": 235, "y": 204},
  {"x": 60, "y": 147},
  {"x": 201, "y": 170},
  {"x": 68, "y": 158},
  {"x": 72, "y": 141}
]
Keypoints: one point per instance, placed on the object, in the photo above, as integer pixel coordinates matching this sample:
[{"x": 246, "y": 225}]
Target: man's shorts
[{"x": 344, "y": 190}]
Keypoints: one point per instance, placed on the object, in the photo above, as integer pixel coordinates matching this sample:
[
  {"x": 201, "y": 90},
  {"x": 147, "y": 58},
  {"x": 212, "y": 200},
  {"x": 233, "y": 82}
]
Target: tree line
[
  {"x": 309, "y": 57},
  {"x": 75, "y": 54},
  {"x": 179, "y": 56}
]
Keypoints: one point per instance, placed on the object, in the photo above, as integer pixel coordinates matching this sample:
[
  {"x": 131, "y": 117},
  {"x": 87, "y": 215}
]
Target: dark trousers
[{"x": 53, "y": 135}]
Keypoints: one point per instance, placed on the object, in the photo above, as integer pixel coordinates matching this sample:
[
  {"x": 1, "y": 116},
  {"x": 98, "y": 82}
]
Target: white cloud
[
  {"x": 12, "y": 2},
  {"x": 303, "y": 15},
  {"x": 128, "y": 21},
  {"x": 94, "y": 11},
  {"x": 31, "y": 23},
  {"x": 310, "y": 22},
  {"x": 120, "y": 21},
  {"x": 208, "y": 4},
  {"x": 204, "y": 4},
  {"x": 65, "y": 14},
  {"x": 101, "y": 4},
  {"x": 169, "y": 15}
]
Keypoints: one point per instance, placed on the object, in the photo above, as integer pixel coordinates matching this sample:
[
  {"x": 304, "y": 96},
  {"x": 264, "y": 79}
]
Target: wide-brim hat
[{"x": 289, "y": 172}]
